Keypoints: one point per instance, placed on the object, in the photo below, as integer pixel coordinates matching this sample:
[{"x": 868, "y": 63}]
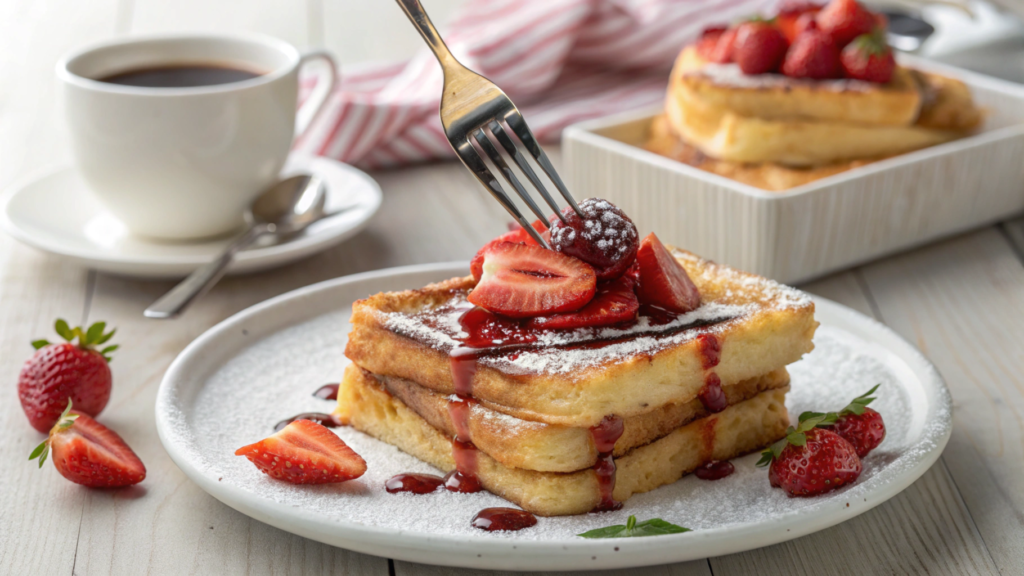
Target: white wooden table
[{"x": 961, "y": 301}]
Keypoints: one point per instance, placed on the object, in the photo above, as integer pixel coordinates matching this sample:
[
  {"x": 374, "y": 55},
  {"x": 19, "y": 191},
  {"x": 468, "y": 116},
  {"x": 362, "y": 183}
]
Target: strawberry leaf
[
  {"x": 766, "y": 457},
  {"x": 37, "y": 344},
  {"x": 41, "y": 452},
  {"x": 797, "y": 439},
  {"x": 634, "y": 529},
  {"x": 63, "y": 330},
  {"x": 104, "y": 338},
  {"x": 857, "y": 405},
  {"x": 95, "y": 332},
  {"x": 66, "y": 417}
]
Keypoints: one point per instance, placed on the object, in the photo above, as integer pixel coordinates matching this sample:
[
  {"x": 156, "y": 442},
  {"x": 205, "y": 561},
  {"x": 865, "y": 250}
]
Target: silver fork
[{"x": 472, "y": 108}]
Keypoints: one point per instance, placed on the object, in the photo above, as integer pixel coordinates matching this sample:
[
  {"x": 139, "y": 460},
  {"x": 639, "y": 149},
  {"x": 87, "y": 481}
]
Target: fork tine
[
  {"x": 491, "y": 152},
  {"x": 513, "y": 151},
  {"x": 468, "y": 154},
  {"x": 515, "y": 121}
]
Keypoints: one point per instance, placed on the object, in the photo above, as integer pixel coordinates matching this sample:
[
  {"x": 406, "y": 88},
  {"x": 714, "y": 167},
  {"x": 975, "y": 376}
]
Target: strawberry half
[
  {"x": 515, "y": 234},
  {"x": 522, "y": 281},
  {"x": 305, "y": 452},
  {"x": 88, "y": 453},
  {"x": 663, "y": 280},
  {"x": 614, "y": 302}
]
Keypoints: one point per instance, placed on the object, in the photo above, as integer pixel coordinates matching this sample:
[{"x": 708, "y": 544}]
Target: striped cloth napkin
[{"x": 560, "y": 61}]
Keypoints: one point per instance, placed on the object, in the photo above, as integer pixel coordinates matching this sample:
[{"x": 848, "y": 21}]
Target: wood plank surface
[{"x": 961, "y": 302}]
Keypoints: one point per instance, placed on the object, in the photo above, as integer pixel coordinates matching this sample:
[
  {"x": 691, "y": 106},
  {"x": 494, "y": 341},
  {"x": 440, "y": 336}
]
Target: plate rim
[
  {"x": 176, "y": 265},
  {"x": 449, "y": 550}
]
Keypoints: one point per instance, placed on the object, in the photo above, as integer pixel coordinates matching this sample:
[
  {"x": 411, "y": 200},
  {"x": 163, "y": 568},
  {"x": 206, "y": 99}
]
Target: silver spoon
[{"x": 285, "y": 208}]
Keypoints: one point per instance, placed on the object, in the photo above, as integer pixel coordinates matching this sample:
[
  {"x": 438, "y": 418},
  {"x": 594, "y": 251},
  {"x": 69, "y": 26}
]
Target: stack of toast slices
[
  {"x": 574, "y": 421},
  {"x": 776, "y": 132}
]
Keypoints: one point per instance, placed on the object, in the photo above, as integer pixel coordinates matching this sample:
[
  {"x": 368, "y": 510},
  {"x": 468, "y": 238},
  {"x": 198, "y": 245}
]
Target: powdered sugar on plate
[{"x": 273, "y": 378}]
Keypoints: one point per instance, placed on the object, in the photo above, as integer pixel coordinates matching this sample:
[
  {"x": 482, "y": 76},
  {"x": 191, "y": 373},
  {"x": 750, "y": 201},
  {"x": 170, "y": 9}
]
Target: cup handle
[{"x": 316, "y": 102}]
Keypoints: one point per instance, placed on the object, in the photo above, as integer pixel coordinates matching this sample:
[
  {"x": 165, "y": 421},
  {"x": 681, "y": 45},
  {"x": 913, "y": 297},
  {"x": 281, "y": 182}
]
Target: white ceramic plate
[
  {"x": 82, "y": 231},
  {"x": 229, "y": 387}
]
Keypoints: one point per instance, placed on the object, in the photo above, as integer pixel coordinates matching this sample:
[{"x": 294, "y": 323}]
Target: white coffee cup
[{"x": 184, "y": 163}]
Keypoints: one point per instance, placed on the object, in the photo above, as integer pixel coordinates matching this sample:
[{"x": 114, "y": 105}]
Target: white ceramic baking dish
[{"x": 823, "y": 226}]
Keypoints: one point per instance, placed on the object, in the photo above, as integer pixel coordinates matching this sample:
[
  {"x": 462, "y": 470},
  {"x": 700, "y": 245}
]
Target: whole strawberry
[
  {"x": 791, "y": 14},
  {"x": 869, "y": 58},
  {"x": 760, "y": 47},
  {"x": 860, "y": 425},
  {"x": 88, "y": 453},
  {"x": 813, "y": 461},
  {"x": 844, "y": 20},
  {"x": 813, "y": 55},
  {"x": 57, "y": 373}
]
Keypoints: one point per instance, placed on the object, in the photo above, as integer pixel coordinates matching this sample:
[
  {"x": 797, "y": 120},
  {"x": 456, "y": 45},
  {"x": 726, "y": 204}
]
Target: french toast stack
[
  {"x": 572, "y": 421},
  {"x": 832, "y": 99}
]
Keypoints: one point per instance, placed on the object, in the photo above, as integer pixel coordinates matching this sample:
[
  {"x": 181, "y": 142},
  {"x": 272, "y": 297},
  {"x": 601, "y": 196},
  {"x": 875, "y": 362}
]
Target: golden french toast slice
[
  {"x": 574, "y": 378},
  {"x": 768, "y": 176},
  {"x": 741, "y": 428},
  {"x": 777, "y": 97},
  {"x": 518, "y": 443}
]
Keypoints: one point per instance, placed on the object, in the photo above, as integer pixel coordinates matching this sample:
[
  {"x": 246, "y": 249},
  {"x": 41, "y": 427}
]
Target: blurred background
[{"x": 977, "y": 35}]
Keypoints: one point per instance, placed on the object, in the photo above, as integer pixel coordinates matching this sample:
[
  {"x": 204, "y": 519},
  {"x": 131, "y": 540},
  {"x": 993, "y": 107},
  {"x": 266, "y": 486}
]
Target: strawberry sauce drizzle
[
  {"x": 328, "y": 420},
  {"x": 413, "y": 483},
  {"x": 327, "y": 392},
  {"x": 711, "y": 394},
  {"x": 715, "y": 470},
  {"x": 507, "y": 519},
  {"x": 463, "y": 365},
  {"x": 605, "y": 435}
]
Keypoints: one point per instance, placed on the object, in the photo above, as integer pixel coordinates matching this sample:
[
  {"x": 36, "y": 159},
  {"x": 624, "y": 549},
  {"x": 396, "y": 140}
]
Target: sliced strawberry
[
  {"x": 663, "y": 280},
  {"x": 88, "y": 453},
  {"x": 305, "y": 452},
  {"x": 515, "y": 234},
  {"x": 519, "y": 280},
  {"x": 614, "y": 302}
]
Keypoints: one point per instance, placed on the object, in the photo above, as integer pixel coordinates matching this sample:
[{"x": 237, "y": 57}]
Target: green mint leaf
[
  {"x": 63, "y": 330},
  {"x": 106, "y": 337},
  {"x": 634, "y": 529},
  {"x": 618, "y": 531},
  {"x": 37, "y": 344},
  {"x": 95, "y": 332},
  {"x": 656, "y": 527}
]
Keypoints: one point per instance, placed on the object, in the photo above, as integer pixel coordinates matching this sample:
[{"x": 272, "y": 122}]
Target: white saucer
[
  {"x": 275, "y": 354},
  {"x": 84, "y": 232}
]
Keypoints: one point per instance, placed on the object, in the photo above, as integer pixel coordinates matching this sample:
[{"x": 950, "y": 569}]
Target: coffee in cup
[{"x": 176, "y": 135}]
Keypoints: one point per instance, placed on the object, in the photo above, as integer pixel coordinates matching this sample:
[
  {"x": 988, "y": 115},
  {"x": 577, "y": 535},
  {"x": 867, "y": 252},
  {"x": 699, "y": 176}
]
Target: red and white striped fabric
[{"x": 560, "y": 61}]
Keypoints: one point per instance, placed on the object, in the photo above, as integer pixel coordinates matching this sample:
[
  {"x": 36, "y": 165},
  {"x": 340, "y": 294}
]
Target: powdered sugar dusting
[
  {"x": 439, "y": 328},
  {"x": 730, "y": 75},
  {"x": 274, "y": 378}
]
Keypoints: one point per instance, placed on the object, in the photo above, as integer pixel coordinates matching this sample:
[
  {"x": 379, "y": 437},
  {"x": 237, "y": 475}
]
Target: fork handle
[{"x": 418, "y": 16}]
